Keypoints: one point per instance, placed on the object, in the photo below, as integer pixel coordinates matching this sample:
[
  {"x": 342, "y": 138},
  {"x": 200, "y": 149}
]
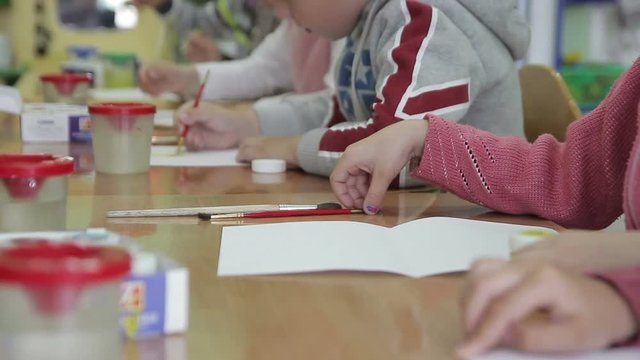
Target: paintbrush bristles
[{"x": 180, "y": 145}]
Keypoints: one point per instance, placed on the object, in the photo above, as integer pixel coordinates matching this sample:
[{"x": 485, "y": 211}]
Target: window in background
[{"x": 97, "y": 14}]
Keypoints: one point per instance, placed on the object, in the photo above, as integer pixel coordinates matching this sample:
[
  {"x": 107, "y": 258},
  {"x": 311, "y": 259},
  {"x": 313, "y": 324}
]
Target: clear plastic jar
[
  {"x": 33, "y": 191},
  {"x": 60, "y": 301},
  {"x": 119, "y": 70},
  {"x": 121, "y": 134},
  {"x": 66, "y": 88}
]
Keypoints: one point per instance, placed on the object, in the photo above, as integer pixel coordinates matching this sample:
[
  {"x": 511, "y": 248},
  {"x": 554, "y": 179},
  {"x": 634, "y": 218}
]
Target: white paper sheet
[
  {"x": 166, "y": 156},
  {"x": 615, "y": 354},
  {"x": 163, "y": 118},
  {"x": 418, "y": 248},
  {"x": 129, "y": 94}
]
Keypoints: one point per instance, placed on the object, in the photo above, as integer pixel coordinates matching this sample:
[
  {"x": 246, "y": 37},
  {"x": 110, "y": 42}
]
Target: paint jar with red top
[
  {"x": 66, "y": 88},
  {"x": 121, "y": 134},
  {"x": 60, "y": 301},
  {"x": 33, "y": 191}
]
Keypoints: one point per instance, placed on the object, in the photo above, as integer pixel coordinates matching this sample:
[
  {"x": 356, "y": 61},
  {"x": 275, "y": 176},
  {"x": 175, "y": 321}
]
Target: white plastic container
[
  {"x": 61, "y": 301},
  {"x": 84, "y": 59},
  {"x": 33, "y": 191},
  {"x": 121, "y": 134},
  {"x": 66, "y": 88}
]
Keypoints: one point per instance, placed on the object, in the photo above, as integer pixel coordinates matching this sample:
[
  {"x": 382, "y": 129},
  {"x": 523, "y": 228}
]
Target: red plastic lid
[
  {"x": 122, "y": 108},
  {"x": 39, "y": 263},
  {"x": 66, "y": 78},
  {"x": 34, "y": 165}
]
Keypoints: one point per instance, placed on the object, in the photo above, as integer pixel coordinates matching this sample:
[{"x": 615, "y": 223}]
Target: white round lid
[{"x": 268, "y": 166}]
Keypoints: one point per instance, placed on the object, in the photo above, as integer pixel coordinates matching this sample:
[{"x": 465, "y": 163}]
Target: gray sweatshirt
[{"x": 407, "y": 58}]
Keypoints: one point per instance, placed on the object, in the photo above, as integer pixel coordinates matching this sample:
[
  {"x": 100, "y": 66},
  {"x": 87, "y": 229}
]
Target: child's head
[{"x": 332, "y": 19}]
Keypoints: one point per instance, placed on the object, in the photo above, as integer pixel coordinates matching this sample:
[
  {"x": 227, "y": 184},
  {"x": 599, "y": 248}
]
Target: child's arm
[
  {"x": 292, "y": 114},
  {"x": 265, "y": 72},
  {"x": 576, "y": 184}
]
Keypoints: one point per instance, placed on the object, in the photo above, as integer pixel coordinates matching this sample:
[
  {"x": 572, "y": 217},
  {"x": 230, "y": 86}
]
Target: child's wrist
[{"x": 419, "y": 134}]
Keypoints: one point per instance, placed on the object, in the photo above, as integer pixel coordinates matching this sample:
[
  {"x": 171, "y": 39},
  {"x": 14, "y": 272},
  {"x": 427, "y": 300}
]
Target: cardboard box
[
  {"x": 44, "y": 122},
  {"x": 152, "y": 303}
]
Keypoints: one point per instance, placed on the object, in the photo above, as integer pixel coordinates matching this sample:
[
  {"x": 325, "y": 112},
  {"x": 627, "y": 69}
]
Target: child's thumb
[{"x": 377, "y": 189}]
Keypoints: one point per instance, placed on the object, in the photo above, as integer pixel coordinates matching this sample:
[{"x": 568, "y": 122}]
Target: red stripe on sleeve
[
  {"x": 336, "y": 114},
  {"x": 437, "y": 99},
  {"x": 404, "y": 55}
]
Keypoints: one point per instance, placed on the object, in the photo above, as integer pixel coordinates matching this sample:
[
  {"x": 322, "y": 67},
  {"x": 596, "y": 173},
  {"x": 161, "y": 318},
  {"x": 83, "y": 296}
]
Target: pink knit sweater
[
  {"x": 585, "y": 182},
  {"x": 580, "y": 183}
]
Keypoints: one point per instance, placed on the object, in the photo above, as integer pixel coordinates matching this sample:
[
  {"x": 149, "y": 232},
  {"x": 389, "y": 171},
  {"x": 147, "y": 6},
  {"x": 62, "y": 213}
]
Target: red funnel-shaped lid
[
  {"x": 55, "y": 274},
  {"x": 24, "y": 174}
]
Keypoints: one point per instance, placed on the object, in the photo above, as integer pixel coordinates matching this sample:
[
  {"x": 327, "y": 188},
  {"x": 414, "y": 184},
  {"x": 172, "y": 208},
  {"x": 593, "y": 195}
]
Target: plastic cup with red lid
[
  {"x": 66, "y": 88},
  {"x": 60, "y": 300},
  {"x": 33, "y": 191},
  {"x": 121, "y": 134}
]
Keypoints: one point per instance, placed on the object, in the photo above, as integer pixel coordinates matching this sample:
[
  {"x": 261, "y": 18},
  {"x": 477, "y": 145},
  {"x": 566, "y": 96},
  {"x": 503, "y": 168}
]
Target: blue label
[
  {"x": 142, "y": 306},
  {"x": 79, "y": 128}
]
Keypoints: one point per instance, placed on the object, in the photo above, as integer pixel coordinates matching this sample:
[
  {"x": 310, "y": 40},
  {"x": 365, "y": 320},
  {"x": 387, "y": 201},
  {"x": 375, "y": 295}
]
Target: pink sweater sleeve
[
  {"x": 575, "y": 184},
  {"x": 627, "y": 282}
]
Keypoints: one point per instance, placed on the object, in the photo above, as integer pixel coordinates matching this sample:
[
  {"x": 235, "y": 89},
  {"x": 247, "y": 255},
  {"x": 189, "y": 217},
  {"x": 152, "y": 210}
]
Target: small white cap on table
[{"x": 268, "y": 166}]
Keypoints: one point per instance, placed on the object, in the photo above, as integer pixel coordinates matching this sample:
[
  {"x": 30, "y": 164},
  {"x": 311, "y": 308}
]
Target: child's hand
[
  {"x": 540, "y": 309},
  {"x": 163, "y": 77},
  {"x": 201, "y": 48},
  {"x": 271, "y": 147},
  {"x": 214, "y": 126},
  {"x": 367, "y": 167}
]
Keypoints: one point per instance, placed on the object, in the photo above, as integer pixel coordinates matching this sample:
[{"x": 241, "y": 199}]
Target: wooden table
[{"x": 316, "y": 316}]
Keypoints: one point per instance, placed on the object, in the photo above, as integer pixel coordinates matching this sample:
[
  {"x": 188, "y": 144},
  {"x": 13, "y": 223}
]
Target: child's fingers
[
  {"x": 184, "y": 115},
  {"x": 482, "y": 291},
  {"x": 352, "y": 188},
  {"x": 379, "y": 183},
  {"x": 248, "y": 150},
  {"x": 338, "y": 180},
  {"x": 543, "y": 335},
  {"x": 526, "y": 298}
]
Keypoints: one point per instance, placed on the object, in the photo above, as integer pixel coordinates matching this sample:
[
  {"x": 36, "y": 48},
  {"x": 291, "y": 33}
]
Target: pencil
[
  {"x": 196, "y": 102},
  {"x": 282, "y": 213}
]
